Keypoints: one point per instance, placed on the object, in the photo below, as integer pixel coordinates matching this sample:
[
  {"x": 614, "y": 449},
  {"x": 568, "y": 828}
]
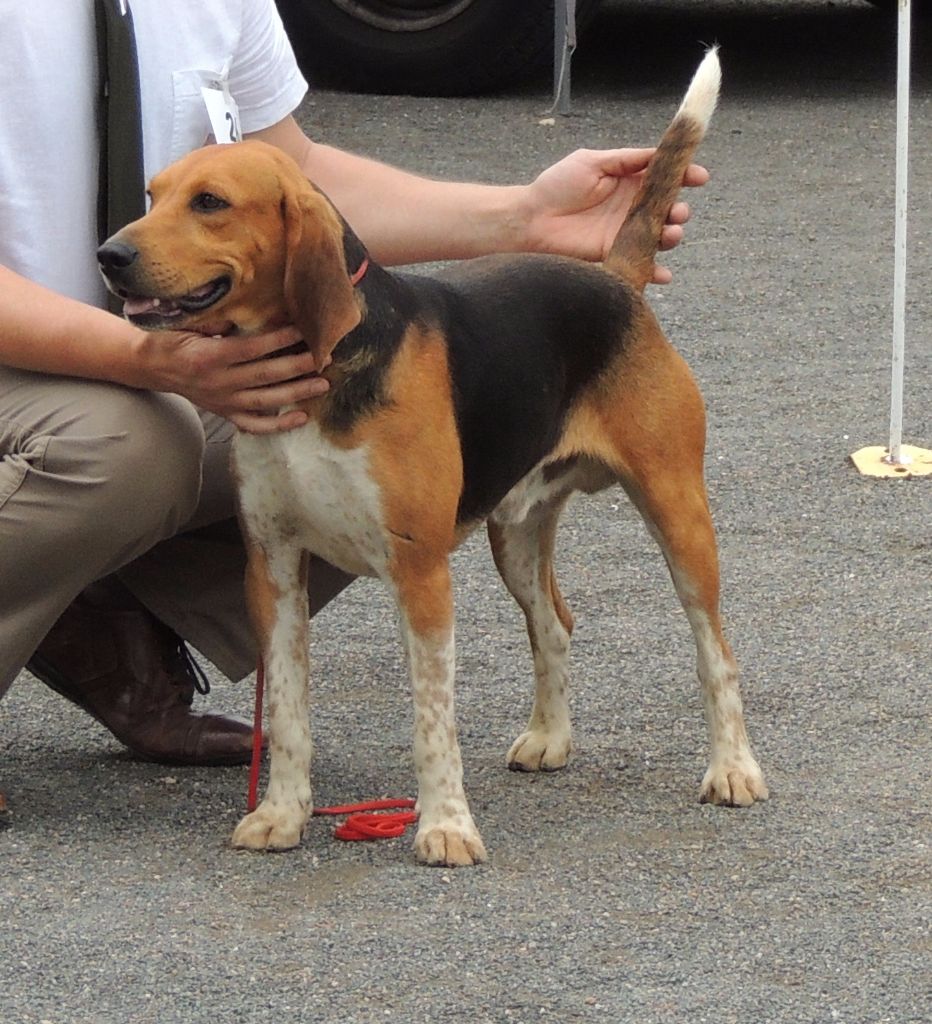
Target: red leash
[
  {"x": 358, "y": 826},
  {"x": 252, "y": 796},
  {"x": 372, "y": 826}
]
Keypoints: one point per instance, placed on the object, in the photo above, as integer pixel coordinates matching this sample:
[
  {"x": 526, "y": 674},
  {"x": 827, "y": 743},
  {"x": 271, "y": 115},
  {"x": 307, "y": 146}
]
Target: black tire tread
[{"x": 488, "y": 47}]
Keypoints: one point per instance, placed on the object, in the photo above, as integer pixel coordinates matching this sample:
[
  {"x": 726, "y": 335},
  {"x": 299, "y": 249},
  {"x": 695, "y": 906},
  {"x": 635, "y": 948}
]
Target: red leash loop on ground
[
  {"x": 359, "y": 825},
  {"x": 362, "y": 826}
]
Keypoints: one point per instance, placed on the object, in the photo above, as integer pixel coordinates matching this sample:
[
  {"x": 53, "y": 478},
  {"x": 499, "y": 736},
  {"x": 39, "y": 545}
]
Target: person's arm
[
  {"x": 574, "y": 207},
  {"x": 43, "y": 331}
]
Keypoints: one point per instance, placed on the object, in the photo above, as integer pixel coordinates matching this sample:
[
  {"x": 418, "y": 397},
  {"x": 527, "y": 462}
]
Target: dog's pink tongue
[{"x": 138, "y": 306}]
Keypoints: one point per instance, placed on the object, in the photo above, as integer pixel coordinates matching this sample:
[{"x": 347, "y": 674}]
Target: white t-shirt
[{"x": 48, "y": 133}]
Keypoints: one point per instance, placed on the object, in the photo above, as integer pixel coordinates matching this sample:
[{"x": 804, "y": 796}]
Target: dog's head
[{"x": 236, "y": 240}]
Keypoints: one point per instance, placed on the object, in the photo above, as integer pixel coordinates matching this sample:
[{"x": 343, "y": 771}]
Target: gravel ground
[{"x": 610, "y": 894}]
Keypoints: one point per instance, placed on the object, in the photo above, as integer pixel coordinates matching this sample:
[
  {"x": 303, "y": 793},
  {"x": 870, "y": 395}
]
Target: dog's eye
[{"x": 207, "y": 202}]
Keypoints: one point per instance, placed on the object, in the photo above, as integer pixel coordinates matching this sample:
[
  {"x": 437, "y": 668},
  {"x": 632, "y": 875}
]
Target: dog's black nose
[{"x": 116, "y": 256}]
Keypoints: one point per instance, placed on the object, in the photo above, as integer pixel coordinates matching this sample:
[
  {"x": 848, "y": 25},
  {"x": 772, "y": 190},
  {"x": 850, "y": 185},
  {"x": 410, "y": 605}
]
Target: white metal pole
[
  {"x": 899, "y": 243},
  {"x": 898, "y": 461}
]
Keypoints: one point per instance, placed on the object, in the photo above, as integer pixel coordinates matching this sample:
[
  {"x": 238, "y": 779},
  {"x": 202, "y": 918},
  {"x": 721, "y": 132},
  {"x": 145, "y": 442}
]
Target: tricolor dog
[{"x": 489, "y": 394}]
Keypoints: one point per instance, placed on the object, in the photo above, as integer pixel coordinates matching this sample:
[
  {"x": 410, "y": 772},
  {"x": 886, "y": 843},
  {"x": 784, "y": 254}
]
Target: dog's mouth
[{"x": 151, "y": 311}]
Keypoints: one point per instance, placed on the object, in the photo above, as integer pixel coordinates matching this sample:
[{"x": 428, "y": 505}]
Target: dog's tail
[{"x": 633, "y": 251}]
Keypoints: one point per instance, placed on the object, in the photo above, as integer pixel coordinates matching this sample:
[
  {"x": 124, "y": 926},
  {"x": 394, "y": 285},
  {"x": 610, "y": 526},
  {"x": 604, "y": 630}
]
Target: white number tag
[{"x": 221, "y": 108}]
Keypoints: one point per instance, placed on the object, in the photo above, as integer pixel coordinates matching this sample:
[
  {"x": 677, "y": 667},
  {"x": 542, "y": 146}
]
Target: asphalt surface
[{"x": 610, "y": 894}]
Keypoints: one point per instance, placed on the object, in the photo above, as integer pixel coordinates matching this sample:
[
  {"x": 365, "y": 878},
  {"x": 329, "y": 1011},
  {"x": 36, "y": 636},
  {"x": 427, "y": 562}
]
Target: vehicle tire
[{"x": 423, "y": 47}]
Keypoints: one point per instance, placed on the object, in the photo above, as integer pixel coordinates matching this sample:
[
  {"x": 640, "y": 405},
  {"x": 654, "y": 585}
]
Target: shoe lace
[{"x": 186, "y": 662}]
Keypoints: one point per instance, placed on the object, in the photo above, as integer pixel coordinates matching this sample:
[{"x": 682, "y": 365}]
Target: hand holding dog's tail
[{"x": 636, "y": 244}]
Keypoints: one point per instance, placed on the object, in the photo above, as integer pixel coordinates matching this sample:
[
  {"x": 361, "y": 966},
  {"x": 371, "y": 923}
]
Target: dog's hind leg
[
  {"x": 276, "y": 591},
  {"x": 648, "y": 428},
  {"x": 659, "y": 447},
  {"x": 523, "y": 553},
  {"x": 676, "y": 514}
]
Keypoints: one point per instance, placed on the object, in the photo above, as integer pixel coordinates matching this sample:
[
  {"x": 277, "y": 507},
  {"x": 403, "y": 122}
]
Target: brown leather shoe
[{"x": 109, "y": 655}]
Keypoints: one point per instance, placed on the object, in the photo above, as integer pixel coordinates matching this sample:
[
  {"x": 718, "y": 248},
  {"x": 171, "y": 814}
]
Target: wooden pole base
[{"x": 875, "y": 461}]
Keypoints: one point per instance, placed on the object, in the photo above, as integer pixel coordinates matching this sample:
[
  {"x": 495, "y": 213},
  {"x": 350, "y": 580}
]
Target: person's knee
[
  {"x": 156, "y": 462},
  {"x": 140, "y": 455}
]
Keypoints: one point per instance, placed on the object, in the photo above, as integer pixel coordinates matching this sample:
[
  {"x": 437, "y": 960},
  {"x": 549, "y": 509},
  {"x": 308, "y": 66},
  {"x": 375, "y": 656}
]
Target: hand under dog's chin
[{"x": 216, "y": 327}]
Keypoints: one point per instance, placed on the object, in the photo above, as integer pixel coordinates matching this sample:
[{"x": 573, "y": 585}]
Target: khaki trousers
[{"x": 97, "y": 479}]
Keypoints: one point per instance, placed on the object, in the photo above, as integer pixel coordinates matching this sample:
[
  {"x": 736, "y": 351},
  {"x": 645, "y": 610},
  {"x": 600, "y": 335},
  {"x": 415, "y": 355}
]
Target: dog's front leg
[
  {"x": 276, "y": 590},
  {"x": 446, "y": 832}
]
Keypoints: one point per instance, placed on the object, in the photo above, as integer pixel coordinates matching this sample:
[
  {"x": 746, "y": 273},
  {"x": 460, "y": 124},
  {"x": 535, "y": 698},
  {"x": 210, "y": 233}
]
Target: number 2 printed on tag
[{"x": 222, "y": 111}]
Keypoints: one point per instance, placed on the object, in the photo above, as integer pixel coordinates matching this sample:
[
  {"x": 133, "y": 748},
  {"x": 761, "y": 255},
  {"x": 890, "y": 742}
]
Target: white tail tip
[{"x": 702, "y": 94}]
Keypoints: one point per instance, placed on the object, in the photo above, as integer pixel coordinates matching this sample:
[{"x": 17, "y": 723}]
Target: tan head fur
[{"x": 237, "y": 241}]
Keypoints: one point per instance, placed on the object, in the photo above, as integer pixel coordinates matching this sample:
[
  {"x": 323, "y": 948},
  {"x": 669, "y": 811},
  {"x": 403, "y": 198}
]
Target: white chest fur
[{"x": 299, "y": 488}]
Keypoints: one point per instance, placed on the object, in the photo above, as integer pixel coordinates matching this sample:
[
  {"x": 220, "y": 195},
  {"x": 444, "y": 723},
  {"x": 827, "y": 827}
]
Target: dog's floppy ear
[{"x": 319, "y": 296}]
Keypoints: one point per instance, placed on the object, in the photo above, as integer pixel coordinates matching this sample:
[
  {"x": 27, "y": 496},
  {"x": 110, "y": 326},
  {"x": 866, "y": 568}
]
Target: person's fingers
[
  {"x": 257, "y": 423},
  {"x": 671, "y": 236},
  {"x": 272, "y": 397},
  {"x": 257, "y": 346},
  {"x": 273, "y": 370},
  {"x": 624, "y": 162},
  {"x": 679, "y": 213},
  {"x": 661, "y": 275},
  {"x": 696, "y": 175}
]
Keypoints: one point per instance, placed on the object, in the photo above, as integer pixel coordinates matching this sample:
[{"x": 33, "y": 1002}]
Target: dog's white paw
[
  {"x": 451, "y": 846},
  {"x": 535, "y": 751},
  {"x": 271, "y": 827},
  {"x": 733, "y": 782}
]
